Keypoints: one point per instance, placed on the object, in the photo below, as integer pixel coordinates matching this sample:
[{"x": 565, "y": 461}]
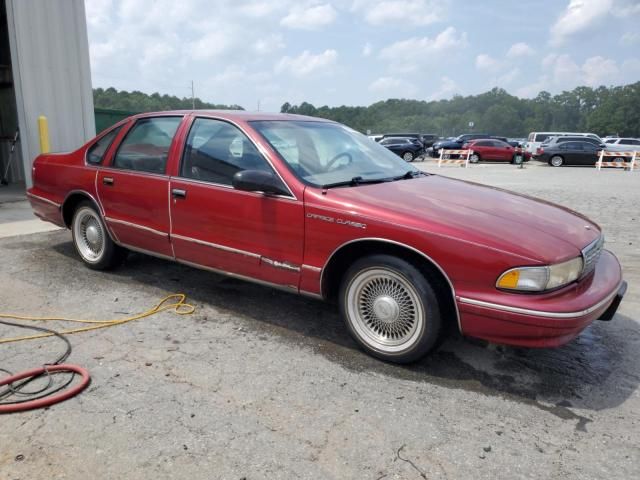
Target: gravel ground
[{"x": 263, "y": 384}]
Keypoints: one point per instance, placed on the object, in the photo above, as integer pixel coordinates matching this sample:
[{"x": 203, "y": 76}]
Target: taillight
[{"x": 539, "y": 151}]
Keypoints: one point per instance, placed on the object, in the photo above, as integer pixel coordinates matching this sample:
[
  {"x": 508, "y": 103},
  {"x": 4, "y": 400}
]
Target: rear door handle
[
  {"x": 179, "y": 193},
  {"x": 107, "y": 180}
]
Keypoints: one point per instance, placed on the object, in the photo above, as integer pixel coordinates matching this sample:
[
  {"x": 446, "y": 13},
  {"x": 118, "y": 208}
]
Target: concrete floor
[
  {"x": 262, "y": 384},
  {"x": 16, "y": 216}
]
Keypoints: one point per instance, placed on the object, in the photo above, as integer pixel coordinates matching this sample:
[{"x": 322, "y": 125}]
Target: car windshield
[{"x": 325, "y": 154}]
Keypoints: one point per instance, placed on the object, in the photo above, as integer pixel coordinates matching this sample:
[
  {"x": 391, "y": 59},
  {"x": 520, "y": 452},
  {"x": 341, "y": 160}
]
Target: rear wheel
[
  {"x": 408, "y": 156},
  {"x": 556, "y": 161},
  {"x": 474, "y": 158},
  {"x": 390, "y": 308},
  {"x": 92, "y": 242}
]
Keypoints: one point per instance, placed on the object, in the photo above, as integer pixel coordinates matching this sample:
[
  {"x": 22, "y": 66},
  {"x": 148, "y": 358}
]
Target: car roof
[{"x": 241, "y": 115}]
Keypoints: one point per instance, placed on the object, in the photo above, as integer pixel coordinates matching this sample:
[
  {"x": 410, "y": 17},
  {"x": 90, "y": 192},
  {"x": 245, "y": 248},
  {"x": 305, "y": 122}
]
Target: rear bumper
[{"x": 550, "y": 321}]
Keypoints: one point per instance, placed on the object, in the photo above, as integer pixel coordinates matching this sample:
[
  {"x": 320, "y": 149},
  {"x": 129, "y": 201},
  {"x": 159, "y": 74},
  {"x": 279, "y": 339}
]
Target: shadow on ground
[{"x": 593, "y": 372}]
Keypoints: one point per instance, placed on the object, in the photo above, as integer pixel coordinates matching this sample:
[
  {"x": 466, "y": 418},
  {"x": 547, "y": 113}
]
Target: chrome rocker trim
[
  {"x": 44, "y": 200},
  {"x": 135, "y": 225}
]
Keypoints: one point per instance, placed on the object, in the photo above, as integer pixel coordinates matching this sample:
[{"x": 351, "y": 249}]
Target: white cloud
[
  {"x": 307, "y": 63},
  {"x": 520, "y": 49},
  {"x": 406, "y": 54},
  {"x": 599, "y": 71},
  {"x": 447, "y": 88},
  {"x": 626, "y": 8},
  {"x": 268, "y": 44},
  {"x": 310, "y": 18},
  {"x": 486, "y": 62},
  {"x": 630, "y": 38},
  {"x": 508, "y": 78},
  {"x": 367, "y": 50},
  {"x": 393, "y": 86},
  {"x": 577, "y": 17},
  {"x": 402, "y": 12}
]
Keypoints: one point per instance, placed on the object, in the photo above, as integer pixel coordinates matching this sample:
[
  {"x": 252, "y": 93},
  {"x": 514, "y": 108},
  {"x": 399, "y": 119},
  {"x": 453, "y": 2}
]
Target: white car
[{"x": 622, "y": 144}]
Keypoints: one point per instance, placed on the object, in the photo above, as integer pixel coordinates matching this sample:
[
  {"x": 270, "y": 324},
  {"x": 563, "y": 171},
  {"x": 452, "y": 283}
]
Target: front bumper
[{"x": 551, "y": 319}]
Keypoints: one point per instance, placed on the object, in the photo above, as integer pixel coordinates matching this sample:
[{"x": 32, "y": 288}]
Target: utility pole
[{"x": 193, "y": 97}]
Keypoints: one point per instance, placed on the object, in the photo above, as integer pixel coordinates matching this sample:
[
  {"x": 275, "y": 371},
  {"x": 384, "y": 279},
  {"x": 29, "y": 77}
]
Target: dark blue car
[
  {"x": 406, "y": 148},
  {"x": 457, "y": 143}
]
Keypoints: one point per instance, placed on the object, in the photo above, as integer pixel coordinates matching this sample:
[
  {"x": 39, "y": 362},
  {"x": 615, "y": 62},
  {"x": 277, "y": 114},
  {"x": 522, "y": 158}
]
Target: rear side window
[
  {"x": 630, "y": 142},
  {"x": 95, "y": 154},
  {"x": 146, "y": 146},
  {"x": 541, "y": 137}
]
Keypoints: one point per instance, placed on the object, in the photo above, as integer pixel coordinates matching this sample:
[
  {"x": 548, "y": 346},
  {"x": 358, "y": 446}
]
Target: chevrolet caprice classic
[{"x": 313, "y": 207}]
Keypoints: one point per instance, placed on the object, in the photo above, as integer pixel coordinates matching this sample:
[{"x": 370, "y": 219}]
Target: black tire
[
  {"x": 556, "y": 161},
  {"x": 86, "y": 225},
  {"x": 370, "y": 312},
  {"x": 408, "y": 156}
]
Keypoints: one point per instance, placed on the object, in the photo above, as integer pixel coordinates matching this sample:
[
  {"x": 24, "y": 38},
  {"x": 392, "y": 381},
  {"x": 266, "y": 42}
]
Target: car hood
[{"x": 514, "y": 223}]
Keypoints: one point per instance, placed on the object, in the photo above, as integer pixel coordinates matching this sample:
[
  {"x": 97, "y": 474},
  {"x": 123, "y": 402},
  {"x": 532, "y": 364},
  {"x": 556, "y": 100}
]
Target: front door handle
[
  {"x": 107, "y": 180},
  {"x": 179, "y": 193}
]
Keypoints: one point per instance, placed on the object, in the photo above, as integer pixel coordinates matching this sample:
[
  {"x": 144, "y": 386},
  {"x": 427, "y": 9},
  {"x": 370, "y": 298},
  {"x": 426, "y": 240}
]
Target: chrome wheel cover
[
  {"x": 474, "y": 158},
  {"x": 556, "y": 161},
  {"x": 385, "y": 310},
  {"x": 407, "y": 157},
  {"x": 89, "y": 235}
]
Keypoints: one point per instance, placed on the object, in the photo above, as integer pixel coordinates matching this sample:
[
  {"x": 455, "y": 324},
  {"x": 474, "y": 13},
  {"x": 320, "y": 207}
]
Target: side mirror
[{"x": 258, "y": 181}]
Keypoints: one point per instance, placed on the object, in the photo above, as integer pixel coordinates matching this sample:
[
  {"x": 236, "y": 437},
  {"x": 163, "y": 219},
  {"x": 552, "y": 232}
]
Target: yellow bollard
[{"x": 43, "y": 127}]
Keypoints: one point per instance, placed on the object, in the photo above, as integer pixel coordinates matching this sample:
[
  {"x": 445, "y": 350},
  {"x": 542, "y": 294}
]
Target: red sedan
[
  {"x": 490, "y": 150},
  {"x": 313, "y": 207}
]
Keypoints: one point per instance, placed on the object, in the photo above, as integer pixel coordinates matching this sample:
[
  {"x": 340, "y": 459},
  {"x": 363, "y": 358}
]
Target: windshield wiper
[
  {"x": 409, "y": 174},
  {"x": 355, "y": 181}
]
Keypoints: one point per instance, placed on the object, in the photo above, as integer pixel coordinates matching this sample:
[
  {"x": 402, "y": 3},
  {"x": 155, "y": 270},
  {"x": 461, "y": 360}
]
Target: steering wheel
[{"x": 335, "y": 159}]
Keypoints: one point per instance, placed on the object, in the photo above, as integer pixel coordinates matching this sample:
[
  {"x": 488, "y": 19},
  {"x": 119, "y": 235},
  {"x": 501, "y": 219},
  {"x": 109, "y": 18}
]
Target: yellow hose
[{"x": 179, "y": 306}]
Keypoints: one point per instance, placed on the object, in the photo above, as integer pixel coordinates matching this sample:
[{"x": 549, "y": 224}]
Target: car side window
[
  {"x": 573, "y": 146},
  {"x": 483, "y": 144},
  {"x": 146, "y": 146},
  {"x": 216, "y": 150},
  {"x": 95, "y": 154}
]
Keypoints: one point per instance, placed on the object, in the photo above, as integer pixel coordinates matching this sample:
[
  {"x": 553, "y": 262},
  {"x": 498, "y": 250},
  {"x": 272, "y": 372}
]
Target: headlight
[{"x": 539, "y": 279}]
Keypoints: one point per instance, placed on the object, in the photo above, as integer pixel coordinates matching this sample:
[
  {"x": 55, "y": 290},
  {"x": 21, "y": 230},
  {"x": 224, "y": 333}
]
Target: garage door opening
[{"x": 11, "y": 163}]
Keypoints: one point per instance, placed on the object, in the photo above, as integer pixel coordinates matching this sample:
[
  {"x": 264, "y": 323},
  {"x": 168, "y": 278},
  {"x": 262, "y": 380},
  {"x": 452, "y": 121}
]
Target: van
[{"x": 536, "y": 138}]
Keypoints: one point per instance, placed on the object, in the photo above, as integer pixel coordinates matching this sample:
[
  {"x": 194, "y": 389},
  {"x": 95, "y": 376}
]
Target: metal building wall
[{"x": 51, "y": 71}]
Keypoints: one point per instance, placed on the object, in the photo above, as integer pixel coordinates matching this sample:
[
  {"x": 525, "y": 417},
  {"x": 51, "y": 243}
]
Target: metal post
[
  {"x": 466, "y": 164},
  {"x": 43, "y": 128},
  {"x": 440, "y": 159}
]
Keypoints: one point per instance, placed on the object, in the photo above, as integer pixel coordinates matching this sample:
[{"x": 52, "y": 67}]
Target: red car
[
  {"x": 491, "y": 150},
  {"x": 313, "y": 207}
]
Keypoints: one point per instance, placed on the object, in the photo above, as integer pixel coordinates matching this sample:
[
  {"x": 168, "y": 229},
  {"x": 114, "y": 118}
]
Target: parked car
[
  {"x": 312, "y": 207},
  {"x": 570, "y": 153},
  {"x": 427, "y": 139},
  {"x": 630, "y": 144},
  {"x": 456, "y": 143},
  {"x": 406, "y": 148},
  {"x": 535, "y": 139},
  {"x": 490, "y": 150}
]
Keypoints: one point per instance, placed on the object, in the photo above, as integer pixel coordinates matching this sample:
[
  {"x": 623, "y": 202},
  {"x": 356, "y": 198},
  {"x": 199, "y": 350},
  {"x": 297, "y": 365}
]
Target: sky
[{"x": 262, "y": 53}]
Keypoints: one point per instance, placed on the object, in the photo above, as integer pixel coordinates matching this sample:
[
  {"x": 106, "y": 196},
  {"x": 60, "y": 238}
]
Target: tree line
[
  {"x": 136, "y": 102},
  {"x": 602, "y": 110}
]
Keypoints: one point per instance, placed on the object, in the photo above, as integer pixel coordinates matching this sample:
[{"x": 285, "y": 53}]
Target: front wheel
[
  {"x": 556, "y": 161},
  {"x": 390, "y": 308},
  {"x": 474, "y": 158},
  {"x": 408, "y": 156},
  {"x": 92, "y": 242}
]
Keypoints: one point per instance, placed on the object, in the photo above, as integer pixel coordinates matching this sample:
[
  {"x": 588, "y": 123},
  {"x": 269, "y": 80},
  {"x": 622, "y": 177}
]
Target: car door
[
  {"x": 503, "y": 151},
  {"x": 572, "y": 152},
  {"x": 133, "y": 188},
  {"x": 589, "y": 153},
  {"x": 248, "y": 234}
]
